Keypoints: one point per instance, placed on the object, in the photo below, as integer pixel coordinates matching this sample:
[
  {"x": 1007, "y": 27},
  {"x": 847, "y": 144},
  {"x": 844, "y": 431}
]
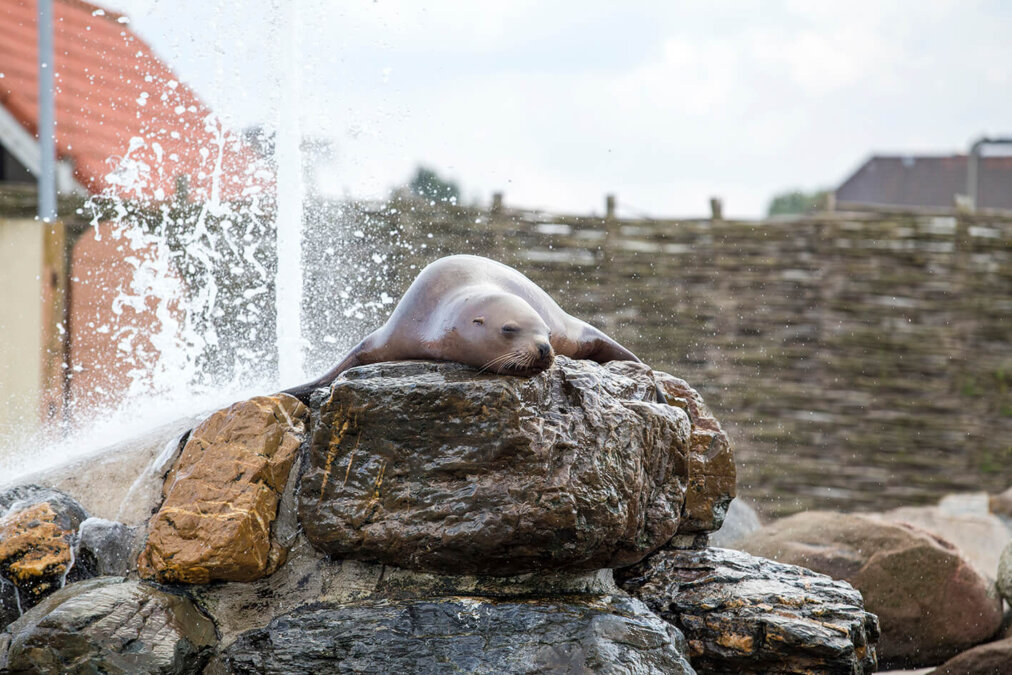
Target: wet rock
[
  {"x": 221, "y": 497},
  {"x": 741, "y": 521},
  {"x": 451, "y": 635},
  {"x": 433, "y": 466},
  {"x": 1005, "y": 574},
  {"x": 743, "y": 614},
  {"x": 109, "y": 625},
  {"x": 37, "y": 533},
  {"x": 930, "y": 601},
  {"x": 993, "y": 658},
  {"x": 108, "y": 545},
  {"x": 711, "y": 469},
  {"x": 10, "y": 603},
  {"x": 123, "y": 481}
]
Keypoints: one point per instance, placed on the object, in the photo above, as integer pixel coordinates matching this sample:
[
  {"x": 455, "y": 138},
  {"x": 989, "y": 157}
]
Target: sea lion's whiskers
[{"x": 499, "y": 360}]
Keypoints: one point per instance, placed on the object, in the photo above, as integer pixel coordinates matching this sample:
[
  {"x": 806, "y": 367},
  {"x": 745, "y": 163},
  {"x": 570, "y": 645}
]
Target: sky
[{"x": 558, "y": 103}]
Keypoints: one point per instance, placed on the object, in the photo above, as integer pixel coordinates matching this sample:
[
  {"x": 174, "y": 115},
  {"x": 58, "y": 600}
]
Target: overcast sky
[{"x": 558, "y": 103}]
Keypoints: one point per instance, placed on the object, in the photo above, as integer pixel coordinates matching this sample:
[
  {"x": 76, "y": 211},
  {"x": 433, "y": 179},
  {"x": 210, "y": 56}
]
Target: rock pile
[
  {"x": 932, "y": 602},
  {"x": 424, "y": 518}
]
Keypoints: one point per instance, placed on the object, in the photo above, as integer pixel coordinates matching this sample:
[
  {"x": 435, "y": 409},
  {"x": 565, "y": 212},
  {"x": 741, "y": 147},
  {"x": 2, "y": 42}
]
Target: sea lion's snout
[{"x": 544, "y": 350}]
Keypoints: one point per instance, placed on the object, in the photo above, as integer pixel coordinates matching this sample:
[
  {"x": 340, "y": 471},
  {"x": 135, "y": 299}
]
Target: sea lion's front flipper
[
  {"x": 304, "y": 392},
  {"x": 596, "y": 346}
]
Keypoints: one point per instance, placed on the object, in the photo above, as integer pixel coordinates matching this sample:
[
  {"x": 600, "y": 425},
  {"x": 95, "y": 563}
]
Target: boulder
[
  {"x": 222, "y": 494},
  {"x": 37, "y": 536},
  {"x": 470, "y": 635},
  {"x": 930, "y": 601},
  {"x": 120, "y": 482},
  {"x": 107, "y": 545},
  {"x": 1001, "y": 506},
  {"x": 993, "y": 658},
  {"x": 1005, "y": 574},
  {"x": 741, "y": 521},
  {"x": 979, "y": 535},
  {"x": 711, "y": 470},
  {"x": 109, "y": 625},
  {"x": 433, "y": 466},
  {"x": 743, "y": 614}
]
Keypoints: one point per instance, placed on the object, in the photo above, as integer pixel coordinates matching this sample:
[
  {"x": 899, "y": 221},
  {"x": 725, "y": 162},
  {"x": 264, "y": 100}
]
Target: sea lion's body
[{"x": 479, "y": 312}]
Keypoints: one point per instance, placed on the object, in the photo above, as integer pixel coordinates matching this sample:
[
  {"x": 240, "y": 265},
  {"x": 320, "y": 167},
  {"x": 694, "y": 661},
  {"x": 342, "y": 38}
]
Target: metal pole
[{"x": 47, "y": 130}]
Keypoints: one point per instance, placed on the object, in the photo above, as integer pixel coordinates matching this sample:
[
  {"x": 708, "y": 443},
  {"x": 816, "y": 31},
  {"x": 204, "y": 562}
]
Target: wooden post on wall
[{"x": 55, "y": 341}]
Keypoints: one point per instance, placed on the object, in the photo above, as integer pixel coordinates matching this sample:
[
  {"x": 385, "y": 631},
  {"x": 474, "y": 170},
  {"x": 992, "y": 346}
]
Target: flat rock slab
[
  {"x": 435, "y": 467},
  {"x": 222, "y": 494},
  {"x": 109, "y": 625},
  {"x": 743, "y": 614},
  {"x": 464, "y": 635},
  {"x": 931, "y": 602}
]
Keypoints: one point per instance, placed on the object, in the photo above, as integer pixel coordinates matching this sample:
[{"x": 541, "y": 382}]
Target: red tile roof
[{"x": 111, "y": 88}]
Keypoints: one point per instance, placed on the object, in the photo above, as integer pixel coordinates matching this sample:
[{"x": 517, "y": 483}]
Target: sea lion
[{"x": 482, "y": 313}]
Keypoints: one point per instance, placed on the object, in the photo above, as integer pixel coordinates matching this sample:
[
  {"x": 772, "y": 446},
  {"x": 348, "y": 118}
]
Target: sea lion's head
[{"x": 503, "y": 334}]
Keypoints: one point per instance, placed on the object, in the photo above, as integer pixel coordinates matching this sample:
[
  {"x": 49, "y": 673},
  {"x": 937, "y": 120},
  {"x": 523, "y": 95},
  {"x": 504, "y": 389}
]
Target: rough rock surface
[
  {"x": 712, "y": 474},
  {"x": 1005, "y": 574},
  {"x": 742, "y": 614},
  {"x": 452, "y": 635},
  {"x": 123, "y": 481},
  {"x": 979, "y": 536},
  {"x": 433, "y": 466},
  {"x": 930, "y": 601},
  {"x": 107, "y": 545},
  {"x": 741, "y": 521},
  {"x": 109, "y": 625},
  {"x": 222, "y": 495},
  {"x": 37, "y": 532},
  {"x": 993, "y": 658}
]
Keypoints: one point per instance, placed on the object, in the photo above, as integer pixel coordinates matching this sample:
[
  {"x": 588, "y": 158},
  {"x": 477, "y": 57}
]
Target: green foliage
[
  {"x": 797, "y": 202},
  {"x": 430, "y": 185}
]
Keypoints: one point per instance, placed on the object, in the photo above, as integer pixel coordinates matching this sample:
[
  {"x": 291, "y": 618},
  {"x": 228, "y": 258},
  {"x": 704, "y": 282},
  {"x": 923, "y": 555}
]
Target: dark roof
[
  {"x": 115, "y": 98},
  {"x": 926, "y": 181}
]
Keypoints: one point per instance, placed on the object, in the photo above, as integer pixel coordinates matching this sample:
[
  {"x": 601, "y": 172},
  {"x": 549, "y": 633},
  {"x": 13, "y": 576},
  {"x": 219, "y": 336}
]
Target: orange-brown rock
[
  {"x": 36, "y": 536},
  {"x": 711, "y": 480},
  {"x": 222, "y": 495}
]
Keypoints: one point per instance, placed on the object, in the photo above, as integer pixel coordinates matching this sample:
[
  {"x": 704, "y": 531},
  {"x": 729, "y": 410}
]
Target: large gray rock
[
  {"x": 464, "y": 635},
  {"x": 741, "y": 521},
  {"x": 107, "y": 545},
  {"x": 109, "y": 625},
  {"x": 436, "y": 467},
  {"x": 1005, "y": 574},
  {"x": 930, "y": 601},
  {"x": 743, "y": 614}
]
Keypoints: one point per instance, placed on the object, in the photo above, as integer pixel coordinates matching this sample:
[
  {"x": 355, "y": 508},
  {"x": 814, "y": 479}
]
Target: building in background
[
  {"x": 930, "y": 182},
  {"x": 126, "y": 128}
]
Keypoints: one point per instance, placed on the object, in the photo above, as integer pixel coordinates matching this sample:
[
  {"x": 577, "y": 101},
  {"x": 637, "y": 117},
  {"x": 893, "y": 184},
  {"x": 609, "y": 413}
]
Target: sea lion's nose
[{"x": 544, "y": 349}]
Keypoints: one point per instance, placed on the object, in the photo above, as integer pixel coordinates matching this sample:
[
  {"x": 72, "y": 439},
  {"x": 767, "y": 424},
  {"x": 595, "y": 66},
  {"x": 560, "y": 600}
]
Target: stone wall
[{"x": 857, "y": 360}]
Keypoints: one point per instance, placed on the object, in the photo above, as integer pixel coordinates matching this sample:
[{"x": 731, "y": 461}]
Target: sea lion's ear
[{"x": 479, "y": 320}]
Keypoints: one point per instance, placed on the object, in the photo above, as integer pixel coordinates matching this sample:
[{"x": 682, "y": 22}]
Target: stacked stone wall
[{"x": 858, "y": 360}]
